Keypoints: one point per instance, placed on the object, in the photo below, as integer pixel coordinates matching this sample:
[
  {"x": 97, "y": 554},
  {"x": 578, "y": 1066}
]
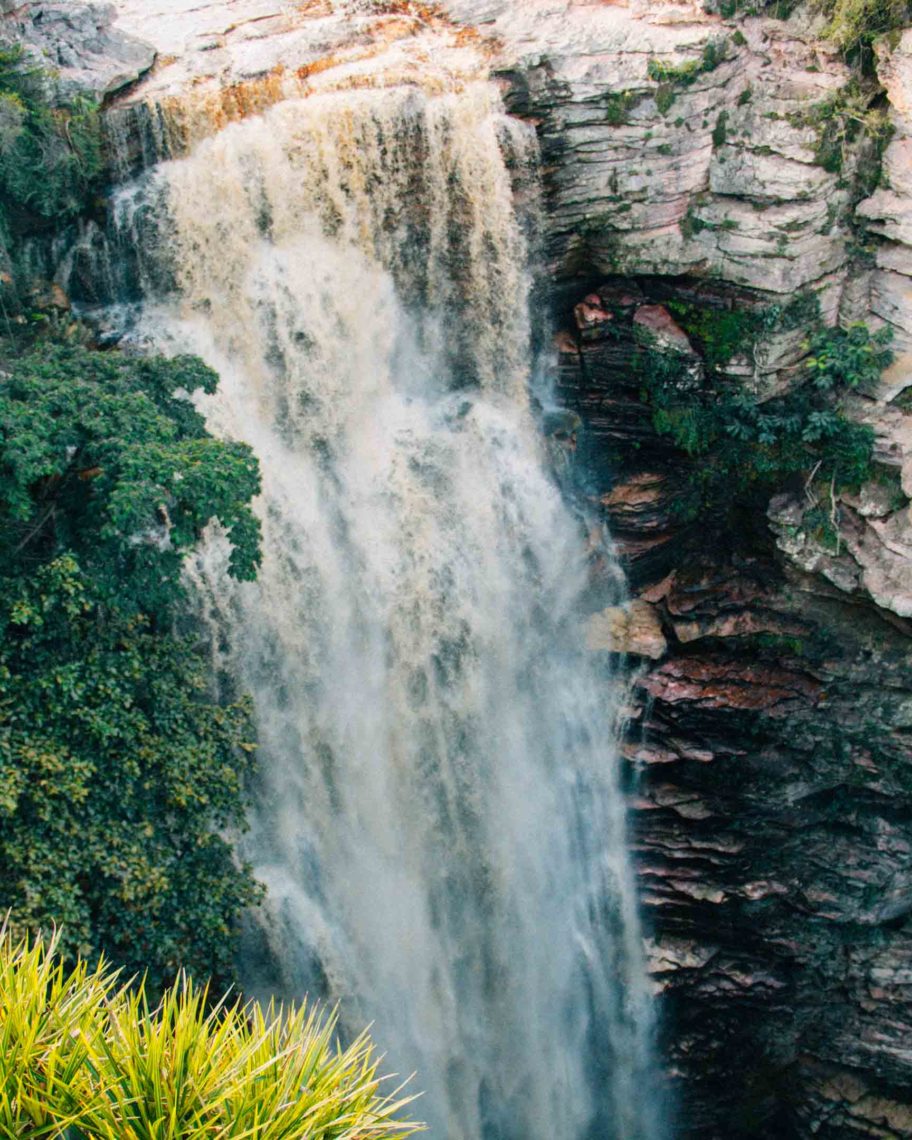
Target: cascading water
[{"x": 438, "y": 821}]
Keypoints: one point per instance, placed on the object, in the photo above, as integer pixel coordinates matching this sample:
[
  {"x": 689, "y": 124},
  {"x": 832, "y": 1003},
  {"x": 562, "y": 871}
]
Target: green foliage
[
  {"x": 798, "y": 313},
  {"x": 779, "y": 9},
  {"x": 101, "y": 456},
  {"x": 664, "y": 98},
  {"x": 692, "y": 224},
  {"x": 83, "y": 1057},
  {"x": 818, "y": 521},
  {"x": 776, "y": 643},
  {"x": 686, "y": 73},
  {"x": 854, "y": 25},
  {"x": 851, "y": 358},
  {"x": 753, "y": 446},
  {"x": 879, "y": 131},
  {"x": 846, "y": 123},
  {"x": 720, "y": 334},
  {"x": 118, "y": 771},
  {"x": 714, "y": 53},
  {"x": 672, "y": 75},
  {"x": 720, "y": 130},
  {"x": 50, "y": 156},
  {"x": 618, "y": 105}
]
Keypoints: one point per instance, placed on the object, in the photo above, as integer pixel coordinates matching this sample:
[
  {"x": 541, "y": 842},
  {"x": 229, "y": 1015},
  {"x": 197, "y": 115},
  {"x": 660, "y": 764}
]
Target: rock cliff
[
  {"x": 772, "y": 829},
  {"x": 697, "y": 163},
  {"x": 77, "y": 44}
]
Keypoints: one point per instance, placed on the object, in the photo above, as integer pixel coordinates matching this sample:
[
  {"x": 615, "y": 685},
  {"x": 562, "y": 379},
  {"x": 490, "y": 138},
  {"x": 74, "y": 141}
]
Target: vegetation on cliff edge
[
  {"x": 854, "y": 25},
  {"x": 50, "y": 152},
  {"x": 747, "y": 444}
]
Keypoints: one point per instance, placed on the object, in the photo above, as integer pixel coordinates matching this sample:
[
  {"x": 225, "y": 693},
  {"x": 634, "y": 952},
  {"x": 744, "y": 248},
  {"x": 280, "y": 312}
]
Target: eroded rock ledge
[{"x": 78, "y": 44}]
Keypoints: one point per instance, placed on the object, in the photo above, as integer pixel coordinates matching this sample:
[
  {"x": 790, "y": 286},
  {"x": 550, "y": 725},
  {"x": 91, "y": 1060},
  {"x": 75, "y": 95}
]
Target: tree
[
  {"x": 750, "y": 448},
  {"x": 118, "y": 770},
  {"x": 103, "y": 456},
  {"x": 50, "y": 150}
]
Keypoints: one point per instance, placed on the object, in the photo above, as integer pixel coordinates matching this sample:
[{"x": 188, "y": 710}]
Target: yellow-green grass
[{"x": 84, "y": 1057}]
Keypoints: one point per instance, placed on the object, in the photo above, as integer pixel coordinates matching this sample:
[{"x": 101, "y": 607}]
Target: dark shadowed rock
[{"x": 773, "y": 825}]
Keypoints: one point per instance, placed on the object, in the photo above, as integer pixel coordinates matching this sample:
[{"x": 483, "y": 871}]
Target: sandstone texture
[
  {"x": 730, "y": 174},
  {"x": 78, "y": 44},
  {"x": 773, "y": 826}
]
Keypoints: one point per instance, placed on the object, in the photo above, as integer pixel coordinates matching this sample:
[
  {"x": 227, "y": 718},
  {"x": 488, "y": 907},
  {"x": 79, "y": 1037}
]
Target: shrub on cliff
[
  {"x": 855, "y": 24},
  {"x": 50, "y": 154},
  {"x": 748, "y": 445},
  {"x": 119, "y": 772},
  {"x": 83, "y": 1057}
]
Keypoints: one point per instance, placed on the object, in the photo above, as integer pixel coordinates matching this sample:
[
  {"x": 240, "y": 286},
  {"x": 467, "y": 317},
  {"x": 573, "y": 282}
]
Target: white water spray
[{"x": 438, "y": 820}]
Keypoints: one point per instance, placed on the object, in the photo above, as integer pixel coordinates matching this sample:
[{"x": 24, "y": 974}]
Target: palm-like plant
[
  {"x": 84, "y": 1057},
  {"x": 50, "y": 1020}
]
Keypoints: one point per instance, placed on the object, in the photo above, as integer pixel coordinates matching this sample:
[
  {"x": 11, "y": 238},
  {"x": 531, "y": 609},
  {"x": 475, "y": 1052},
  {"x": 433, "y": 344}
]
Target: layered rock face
[
  {"x": 701, "y": 162},
  {"x": 682, "y": 145},
  {"x": 772, "y": 829},
  {"x": 78, "y": 44}
]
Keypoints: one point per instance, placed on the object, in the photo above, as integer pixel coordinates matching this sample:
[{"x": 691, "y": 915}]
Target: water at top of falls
[{"x": 438, "y": 819}]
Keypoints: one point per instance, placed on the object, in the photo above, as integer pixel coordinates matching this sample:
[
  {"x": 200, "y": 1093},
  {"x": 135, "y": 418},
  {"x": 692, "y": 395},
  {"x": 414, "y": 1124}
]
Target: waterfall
[{"x": 438, "y": 819}]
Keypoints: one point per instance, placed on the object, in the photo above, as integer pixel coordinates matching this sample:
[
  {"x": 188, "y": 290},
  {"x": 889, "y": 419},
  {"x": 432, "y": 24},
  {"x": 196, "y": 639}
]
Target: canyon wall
[{"x": 698, "y": 162}]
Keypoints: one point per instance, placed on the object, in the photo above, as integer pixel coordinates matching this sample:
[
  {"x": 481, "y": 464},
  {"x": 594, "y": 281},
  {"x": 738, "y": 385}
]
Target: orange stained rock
[
  {"x": 644, "y": 487},
  {"x": 207, "y": 108}
]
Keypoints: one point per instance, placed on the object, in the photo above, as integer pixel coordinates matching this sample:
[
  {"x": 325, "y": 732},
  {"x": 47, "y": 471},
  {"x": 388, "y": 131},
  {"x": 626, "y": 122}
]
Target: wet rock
[
  {"x": 561, "y": 424},
  {"x": 590, "y": 312},
  {"x": 730, "y": 685},
  {"x": 565, "y": 342},
  {"x": 771, "y": 829}
]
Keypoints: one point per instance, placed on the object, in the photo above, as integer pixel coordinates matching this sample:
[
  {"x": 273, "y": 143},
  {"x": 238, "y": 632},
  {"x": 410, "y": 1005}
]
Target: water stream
[{"x": 438, "y": 820}]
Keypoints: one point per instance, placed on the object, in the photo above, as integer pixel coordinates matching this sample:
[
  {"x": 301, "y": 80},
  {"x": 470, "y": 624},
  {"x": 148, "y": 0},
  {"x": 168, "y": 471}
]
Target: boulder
[
  {"x": 634, "y": 629},
  {"x": 79, "y": 43}
]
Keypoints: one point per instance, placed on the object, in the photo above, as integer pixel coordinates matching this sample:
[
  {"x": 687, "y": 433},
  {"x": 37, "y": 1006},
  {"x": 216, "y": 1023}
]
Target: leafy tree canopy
[
  {"x": 750, "y": 445},
  {"x": 101, "y": 456},
  {"x": 118, "y": 769}
]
